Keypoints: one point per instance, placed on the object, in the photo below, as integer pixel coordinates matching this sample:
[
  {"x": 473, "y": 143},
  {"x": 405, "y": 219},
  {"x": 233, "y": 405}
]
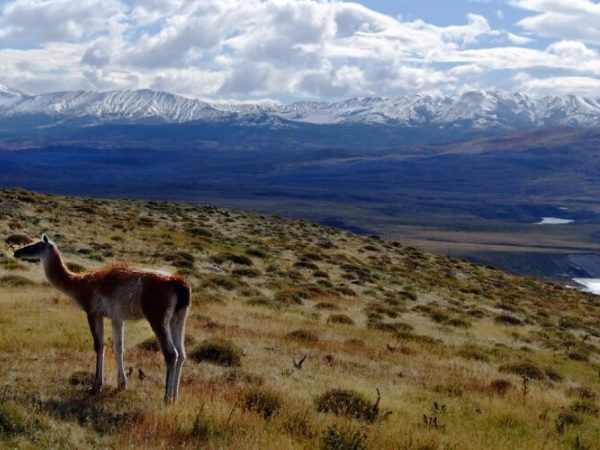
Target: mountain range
[
  {"x": 474, "y": 110},
  {"x": 469, "y": 174}
]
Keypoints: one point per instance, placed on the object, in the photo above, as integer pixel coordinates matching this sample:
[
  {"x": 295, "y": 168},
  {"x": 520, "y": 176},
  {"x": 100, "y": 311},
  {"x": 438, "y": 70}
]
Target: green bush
[
  {"x": 257, "y": 252},
  {"x": 264, "y": 402},
  {"x": 246, "y": 272},
  {"x": 451, "y": 390},
  {"x": 524, "y": 369},
  {"x": 199, "y": 231},
  {"x": 327, "y": 305},
  {"x": 151, "y": 344},
  {"x": 15, "y": 281},
  {"x": 340, "y": 318},
  {"x": 335, "y": 438},
  {"x": 303, "y": 335},
  {"x": 231, "y": 257},
  {"x": 586, "y": 407},
  {"x": 473, "y": 353},
  {"x": 75, "y": 267},
  {"x": 507, "y": 319},
  {"x": 290, "y": 297},
  {"x": 344, "y": 402},
  {"x": 410, "y": 295},
  {"x": 218, "y": 351},
  {"x": 500, "y": 386},
  {"x": 306, "y": 265},
  {"x": 81, "y": 378},
  {"x": 299, "y": 427},
  {"x": 13, "y": 419},
  {"x": 552, "y": 374},
  {"x": 17, "y": 239}
]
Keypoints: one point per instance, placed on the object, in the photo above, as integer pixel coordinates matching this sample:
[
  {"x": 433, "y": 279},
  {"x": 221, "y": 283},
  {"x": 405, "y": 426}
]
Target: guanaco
[{"x": 122, "y": 293}]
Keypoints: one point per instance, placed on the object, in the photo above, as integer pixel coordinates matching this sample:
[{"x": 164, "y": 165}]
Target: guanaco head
[{"x": 36, "y": 250}]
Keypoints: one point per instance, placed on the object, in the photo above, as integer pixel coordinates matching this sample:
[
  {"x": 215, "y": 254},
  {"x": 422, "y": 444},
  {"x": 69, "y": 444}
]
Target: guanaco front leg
[
  {"x": 117, "y": 335},
  {"x": 97, "y": 328}
]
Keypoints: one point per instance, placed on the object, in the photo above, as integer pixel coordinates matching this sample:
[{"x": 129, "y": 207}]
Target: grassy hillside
[{"x": 463, "y": 356}]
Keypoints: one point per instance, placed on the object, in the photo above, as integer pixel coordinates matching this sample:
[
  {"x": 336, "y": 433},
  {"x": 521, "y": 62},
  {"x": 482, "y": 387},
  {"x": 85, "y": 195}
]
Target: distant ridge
[{"x": 478, "y": 110}]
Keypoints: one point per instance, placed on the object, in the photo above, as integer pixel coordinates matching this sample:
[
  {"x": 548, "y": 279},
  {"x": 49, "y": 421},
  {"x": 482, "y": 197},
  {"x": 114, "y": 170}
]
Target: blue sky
[{"x": 301, "y": 49}]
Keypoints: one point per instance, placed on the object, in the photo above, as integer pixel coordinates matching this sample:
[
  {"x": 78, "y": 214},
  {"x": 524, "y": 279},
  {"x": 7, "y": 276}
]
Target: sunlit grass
[{"x": 436, "y": 377}]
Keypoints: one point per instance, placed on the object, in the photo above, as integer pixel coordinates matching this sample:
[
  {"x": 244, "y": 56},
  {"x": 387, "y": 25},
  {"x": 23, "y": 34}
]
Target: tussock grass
[
  {"x": 345, "y": 402},
  {"x": 265, "y": 403},
  {"x": 217, "y": 351}
]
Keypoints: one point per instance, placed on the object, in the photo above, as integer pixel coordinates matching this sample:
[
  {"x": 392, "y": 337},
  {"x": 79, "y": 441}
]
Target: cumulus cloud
[
  {"x": 555, "y": 85},
  {"x": 563, "y": 19},
  {"x": 58, "y": 20},
  {"x": 270, "y": 48}
]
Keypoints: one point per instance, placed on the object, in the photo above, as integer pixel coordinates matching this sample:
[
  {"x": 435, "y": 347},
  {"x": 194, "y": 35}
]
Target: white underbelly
[
  {"x": 124, "y": 303},
  {"x": 122, "y": 309}
]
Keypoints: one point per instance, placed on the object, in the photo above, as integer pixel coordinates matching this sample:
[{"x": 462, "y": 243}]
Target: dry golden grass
[{"x": 425, "y": 333}]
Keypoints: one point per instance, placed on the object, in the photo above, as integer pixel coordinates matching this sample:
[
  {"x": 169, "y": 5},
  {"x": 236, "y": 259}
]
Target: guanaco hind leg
[
  {"x": 177, "y": 326},
  {"x": 117, "y": 335}
]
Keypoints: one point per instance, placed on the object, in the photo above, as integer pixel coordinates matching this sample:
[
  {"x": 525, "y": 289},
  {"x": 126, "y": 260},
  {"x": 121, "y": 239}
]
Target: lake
[
  {"x": 553, "y": 221},
  {"x": 590, "y": 284}
]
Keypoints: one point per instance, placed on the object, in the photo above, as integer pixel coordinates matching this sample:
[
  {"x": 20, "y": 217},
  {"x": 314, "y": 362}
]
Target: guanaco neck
[{"x": 57, "y": 273}]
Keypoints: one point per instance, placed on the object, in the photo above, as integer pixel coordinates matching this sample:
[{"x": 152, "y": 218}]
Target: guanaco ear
[{"x": 44, "y": 239}]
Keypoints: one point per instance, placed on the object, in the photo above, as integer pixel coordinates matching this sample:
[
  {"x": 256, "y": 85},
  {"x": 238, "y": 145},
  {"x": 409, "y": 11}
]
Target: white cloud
[
  {"x": 555, "y": 85},
  {"x": 58, "y": 20},
  {"x": 563, "y": 19},
  {"x": 269, "y": 48}
]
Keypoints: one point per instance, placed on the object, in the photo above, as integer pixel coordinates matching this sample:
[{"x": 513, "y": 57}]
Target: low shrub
[
  {"x": 17, "y": 239},
  {"x": 507, "y": 319},
  {"x": 219, "y": 352},
  {"x": 257, "y": 252},
  {"x": 246, "y": 272},
  {"x": 81, "y": 378},
  {"x": 327, "y": 306},
  {"x": 320, "y": 274},
  {"x": 199, "y": 232},
  {"x": 524, "y": 369},
  {"x": 290, "y": 296},
  {"x": 578, "y": 355},
  {"x": 340, "y": 318},
  {"x": 344, "y": 402},
  {"x": 231, "y": 257},
  {"x": 303, "y": 335},
  {"x": 15, "y": 281},
  {"x": 265, "y": 403},
  {"x": 451, "y": 390},
  {"x": 261, "y": 301},
  {"x": 410, "y": 295},
  {"x": 238, "y": 375},
  {"x": 13, "y": 419},
  {"x": 75, "y": 267},
  {"x": 586, "y": 407},
  {"x": 336, "y": 438},
  {"x": 473, "y": 353},
  {"x": 306, "y": 265},
  {"x": 395, "y": 327},
  {"x": 299, "y": 427},
  {"x": 151, "y": 344},
  {"x": 552, "y": 374},
  {"x": 500, "y": 386}
]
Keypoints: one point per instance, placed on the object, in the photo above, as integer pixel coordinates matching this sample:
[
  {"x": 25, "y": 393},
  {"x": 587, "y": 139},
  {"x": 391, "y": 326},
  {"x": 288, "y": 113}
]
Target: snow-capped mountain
[{"x": 477, "y": 109}]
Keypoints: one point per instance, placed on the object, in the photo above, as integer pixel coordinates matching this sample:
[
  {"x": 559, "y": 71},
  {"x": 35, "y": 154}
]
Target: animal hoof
[{"x": 95, "y": 390}]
